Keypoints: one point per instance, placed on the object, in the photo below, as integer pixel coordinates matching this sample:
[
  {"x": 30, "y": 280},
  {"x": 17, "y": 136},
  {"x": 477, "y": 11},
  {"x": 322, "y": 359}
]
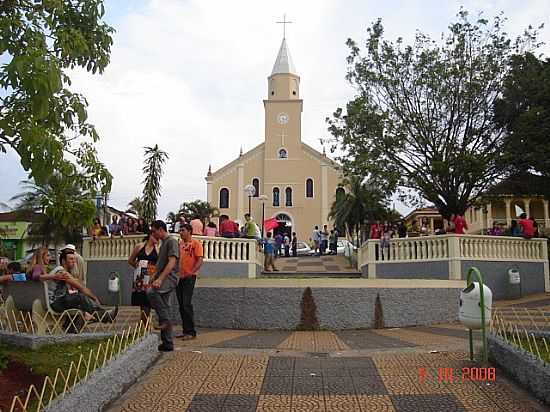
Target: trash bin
[
  {"x": 514, "y": 284},
  {"x": 470, "y": 306}
]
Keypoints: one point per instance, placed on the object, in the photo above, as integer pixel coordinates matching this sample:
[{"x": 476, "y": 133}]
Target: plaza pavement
[{"x": 359, "y": 370}]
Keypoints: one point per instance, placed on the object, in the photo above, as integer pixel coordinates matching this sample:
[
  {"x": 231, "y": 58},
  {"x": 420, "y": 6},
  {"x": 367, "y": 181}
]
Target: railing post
[
  {"x": 544, "y": 247},
  {"x": 455, "y": 271},
  {"x": 371, "y": 258}
]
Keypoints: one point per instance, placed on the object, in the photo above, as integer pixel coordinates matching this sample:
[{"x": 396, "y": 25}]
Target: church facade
[{"x": 296, "y": 183}]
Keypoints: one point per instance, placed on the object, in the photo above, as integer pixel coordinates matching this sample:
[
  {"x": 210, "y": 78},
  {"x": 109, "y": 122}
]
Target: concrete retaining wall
[
  {"x": 525, "y": 368},
  {"x": 337, "y": 308},
  {"x": 413, "y": 270},
  {"x": 495, "y": 276},
  {"x": 106, "y": 384}
]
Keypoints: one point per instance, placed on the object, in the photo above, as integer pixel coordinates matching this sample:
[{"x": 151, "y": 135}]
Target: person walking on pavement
[
  {"x": 191, "y": 258},
  {"x": 166, "y": 281}
]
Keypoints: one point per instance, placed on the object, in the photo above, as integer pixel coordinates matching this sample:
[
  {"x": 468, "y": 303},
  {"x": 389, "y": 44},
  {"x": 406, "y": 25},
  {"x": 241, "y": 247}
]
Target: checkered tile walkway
[
  {"x": 315, "y": 264},
  {"x": 382, "y": 370}
]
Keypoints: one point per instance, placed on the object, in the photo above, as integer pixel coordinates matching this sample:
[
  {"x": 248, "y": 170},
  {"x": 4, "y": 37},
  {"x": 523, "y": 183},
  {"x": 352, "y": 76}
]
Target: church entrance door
[{"x": 285, "y": 225}]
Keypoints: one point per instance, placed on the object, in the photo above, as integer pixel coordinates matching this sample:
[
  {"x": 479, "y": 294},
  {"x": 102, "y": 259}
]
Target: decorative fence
[
  {"x": 215, "y": 248},
  {"x": 71, "y": 321},
  {"x": 526, "y": 329},
  {"x": 38, "y": 398},
  {"x": 454, "y": 249}
]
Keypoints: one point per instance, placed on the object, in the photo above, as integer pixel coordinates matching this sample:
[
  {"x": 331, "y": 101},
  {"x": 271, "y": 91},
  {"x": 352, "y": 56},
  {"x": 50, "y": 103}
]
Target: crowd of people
[{"x": 118, "y": 227}]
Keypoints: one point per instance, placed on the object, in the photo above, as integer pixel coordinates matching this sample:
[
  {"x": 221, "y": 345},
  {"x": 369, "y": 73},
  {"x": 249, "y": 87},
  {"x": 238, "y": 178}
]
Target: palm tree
[
  {"x": 197, "y": 208},
  {"x": 60, "y": 209},
  {"x": 361, "y": 203},
  {"x": 152, "y": 169},
  {"x": 136, "y": 207}
]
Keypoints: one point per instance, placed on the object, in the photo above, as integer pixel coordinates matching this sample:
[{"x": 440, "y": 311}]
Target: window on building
[
  {"x": 283, "y": 154},
  {"x": 256, "y": 184},
  {"x": 224, "y": 198},
  {"x": 309, "y": 188},
  {"x": 275, "y": 196},
  {"x": 288, "y": 196},
  {"x": 340, "y": 193}
]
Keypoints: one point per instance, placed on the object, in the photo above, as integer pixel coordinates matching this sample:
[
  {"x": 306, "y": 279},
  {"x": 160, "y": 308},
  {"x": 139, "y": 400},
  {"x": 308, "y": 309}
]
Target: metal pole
[
  {"x": 249, "y": 202},
  {"x": 477, "y": 273},
  {"x": 263, "y": 218}
]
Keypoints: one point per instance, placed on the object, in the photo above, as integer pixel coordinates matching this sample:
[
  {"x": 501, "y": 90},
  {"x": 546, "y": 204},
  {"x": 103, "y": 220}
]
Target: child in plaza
[{"x": 269, "y": 253}]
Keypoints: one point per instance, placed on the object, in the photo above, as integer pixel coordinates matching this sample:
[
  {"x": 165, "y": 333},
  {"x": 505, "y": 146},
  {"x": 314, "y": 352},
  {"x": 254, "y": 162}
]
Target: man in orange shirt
[{"x": 191, "y": 257}]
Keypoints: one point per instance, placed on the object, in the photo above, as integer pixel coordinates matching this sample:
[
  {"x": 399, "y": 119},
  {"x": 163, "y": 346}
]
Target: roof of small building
[
  {"x": 18, "y": 216},
  {"x": 521, "y": 184}
]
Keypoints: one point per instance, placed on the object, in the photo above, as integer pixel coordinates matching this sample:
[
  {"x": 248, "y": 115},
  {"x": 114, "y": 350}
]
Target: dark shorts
[{"x": 139, "y": 298}]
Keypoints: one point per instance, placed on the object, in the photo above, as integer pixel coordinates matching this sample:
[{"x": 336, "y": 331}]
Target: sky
[{"x": 190, "y": 76}]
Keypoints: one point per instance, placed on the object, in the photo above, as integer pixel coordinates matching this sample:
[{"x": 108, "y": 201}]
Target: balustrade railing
[{"x": 215, "y": 248}]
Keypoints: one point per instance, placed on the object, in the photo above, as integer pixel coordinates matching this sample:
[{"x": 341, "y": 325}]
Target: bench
[{"x": 28, "y": 302}]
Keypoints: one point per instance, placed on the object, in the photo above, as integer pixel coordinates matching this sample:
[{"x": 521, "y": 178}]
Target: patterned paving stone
[
  {"x": 312, "y": 386},
  {"x": 274, "y": 401},
  {"x": 338, "y": 386},
  {"x": 258, "y": 340},
  {"x": 426, "y": 403},
  {"x": 366, "y": 339},
  {"x": 369, "y": 386},
  {"x": 376, "y": 403},
  {"x": 308, "y": 403},
  {"x": 342, "y": 403}
]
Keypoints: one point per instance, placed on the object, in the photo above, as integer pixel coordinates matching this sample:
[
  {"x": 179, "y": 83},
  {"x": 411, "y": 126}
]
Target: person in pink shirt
[
  {"x": 210, "y": 229},
  {"x": 375, "y": 231},
  {"x": 197, "y": 226}
]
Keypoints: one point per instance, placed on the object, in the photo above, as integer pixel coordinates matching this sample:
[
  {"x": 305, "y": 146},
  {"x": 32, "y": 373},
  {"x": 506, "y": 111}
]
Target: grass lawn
[
  {"x": 542, "y": 353},
  {"x": 45, "y": 361}
]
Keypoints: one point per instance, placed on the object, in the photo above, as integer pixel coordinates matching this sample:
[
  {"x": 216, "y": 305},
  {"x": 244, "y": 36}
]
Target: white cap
[{"x": 70, "y": 247}]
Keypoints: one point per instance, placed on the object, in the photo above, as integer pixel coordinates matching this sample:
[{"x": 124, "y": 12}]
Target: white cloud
[{"x": 190, "y": 76}]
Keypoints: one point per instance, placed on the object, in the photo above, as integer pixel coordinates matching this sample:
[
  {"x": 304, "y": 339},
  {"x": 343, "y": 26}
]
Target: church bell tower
[{"x": 283, "y": 109}]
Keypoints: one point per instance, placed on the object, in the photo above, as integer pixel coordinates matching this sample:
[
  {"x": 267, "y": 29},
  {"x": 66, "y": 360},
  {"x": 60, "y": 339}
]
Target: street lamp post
[
  {"x": 262, "y": 199},
  {"x": 250, "y": 190}
]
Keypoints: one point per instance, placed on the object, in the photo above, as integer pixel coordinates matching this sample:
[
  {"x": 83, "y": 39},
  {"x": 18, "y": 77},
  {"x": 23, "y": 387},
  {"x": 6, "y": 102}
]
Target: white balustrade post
[
  {"x": 252, "y": 251},
  {"x": 371, "y": 258},
  {"x": 544, "y": 252},
  {"x": 455, "y": 271}
]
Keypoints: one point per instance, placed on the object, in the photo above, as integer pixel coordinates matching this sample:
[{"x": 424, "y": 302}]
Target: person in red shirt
[
  {"x": 228, "y": 228},
  {"x": 375, "y": 231},
  {"x": 527, "y": 226},
  {"x": 460, "y": 224},
  {"x": 191, "y": 258}
]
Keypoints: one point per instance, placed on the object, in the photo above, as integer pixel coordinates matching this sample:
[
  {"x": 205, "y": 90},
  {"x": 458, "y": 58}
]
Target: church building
[{"x": 299, "y": 182}]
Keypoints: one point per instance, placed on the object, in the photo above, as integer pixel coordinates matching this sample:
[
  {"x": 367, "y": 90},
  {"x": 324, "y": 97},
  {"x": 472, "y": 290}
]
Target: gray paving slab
[
  {"x": 365, "y": 339},
  {"x": 256, "y": 340},
  {"x": 453, "y": 333}
]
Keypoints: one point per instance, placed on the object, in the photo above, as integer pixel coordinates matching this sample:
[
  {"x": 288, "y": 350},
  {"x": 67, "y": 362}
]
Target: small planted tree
[
  {"x": 152, "y": 169},
  {"x": 308, "y": 318}
]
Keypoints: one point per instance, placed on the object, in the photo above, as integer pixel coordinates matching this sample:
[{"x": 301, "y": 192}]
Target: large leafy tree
[
  {"x": 197, "y": 208},
  {"x": 60, "y": 207},
  {"x": 152, "y": 169},
  {"x": 422, "y": 119},
  {"x": 524, "y": 111},
  {"x": 40, "y": 118},
  {"x": 361, "y": 203}
]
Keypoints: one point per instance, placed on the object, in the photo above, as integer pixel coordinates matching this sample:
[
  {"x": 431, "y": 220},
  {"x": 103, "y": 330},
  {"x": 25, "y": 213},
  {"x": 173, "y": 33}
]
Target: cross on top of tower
[{"x": 284, "y": 23}]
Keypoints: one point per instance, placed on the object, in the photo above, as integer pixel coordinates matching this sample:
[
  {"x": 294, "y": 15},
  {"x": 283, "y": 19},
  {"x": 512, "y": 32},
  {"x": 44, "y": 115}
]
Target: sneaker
[{"x": 165, "y": 348}]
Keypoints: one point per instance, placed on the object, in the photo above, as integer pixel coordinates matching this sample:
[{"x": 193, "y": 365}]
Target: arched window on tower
[
  {"x": 309, "y": 188},
  {"x": 288, "y": 196},
  {"x": 275, "y": 196},
  {"x": 340, "y": 193},
  {"x": 256, "y": 184},
  {"x": 283, "y": 154},
  {"x": 224, "y": 198}
]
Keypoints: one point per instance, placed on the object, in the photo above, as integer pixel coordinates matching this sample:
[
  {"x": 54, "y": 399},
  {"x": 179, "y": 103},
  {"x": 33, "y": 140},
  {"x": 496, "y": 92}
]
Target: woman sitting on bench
[{"x": 66, "y": 292}]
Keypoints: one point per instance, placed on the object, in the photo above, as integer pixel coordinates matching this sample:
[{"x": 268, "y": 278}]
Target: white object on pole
[
  {"x": 470, "y": 306},
  {"x": 513, "y": 277},
  {"x": 114, "y": 284}
]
